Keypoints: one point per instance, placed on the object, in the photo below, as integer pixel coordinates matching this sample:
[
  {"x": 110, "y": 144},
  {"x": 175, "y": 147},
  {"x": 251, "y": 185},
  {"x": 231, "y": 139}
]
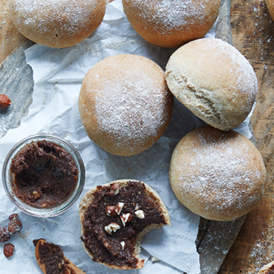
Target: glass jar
[{"x": 8, "y": 177}]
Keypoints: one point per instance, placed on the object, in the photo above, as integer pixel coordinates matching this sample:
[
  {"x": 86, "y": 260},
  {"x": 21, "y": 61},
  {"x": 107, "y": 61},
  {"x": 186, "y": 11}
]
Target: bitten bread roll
[
  {"x": 114, "y": 218},
  {"x": 124, "y": 104},
  {"x": 171, "y": 23},
  {"x": 267, "y": 269},
  {"x": 217, "y": 175},
  {"x": 57, "y": 23},
  {"x": 214, "y": 81}
]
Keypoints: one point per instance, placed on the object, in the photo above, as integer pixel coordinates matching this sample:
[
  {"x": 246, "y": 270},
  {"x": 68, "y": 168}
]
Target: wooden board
[
  {"x": 253, "y": 35},
  {"x": 215, "y": 238}
]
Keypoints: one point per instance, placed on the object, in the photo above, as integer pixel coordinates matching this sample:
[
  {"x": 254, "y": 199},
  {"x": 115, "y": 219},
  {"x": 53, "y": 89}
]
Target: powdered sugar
[{"x": 172, "y": 14}]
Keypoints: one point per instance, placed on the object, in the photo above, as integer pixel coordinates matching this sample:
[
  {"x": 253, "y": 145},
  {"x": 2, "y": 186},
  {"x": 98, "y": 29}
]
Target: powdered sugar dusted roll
[
  {"x": 214, "y": 81},
  {"x": 171, "y": 23},
  {"x": 217, "y": 175},
  {"x": 57, "y": 23},
  {"x": 124, "y": 103}
]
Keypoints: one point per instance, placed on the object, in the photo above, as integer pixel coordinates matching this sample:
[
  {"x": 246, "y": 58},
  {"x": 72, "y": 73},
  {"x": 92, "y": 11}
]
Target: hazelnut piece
[
  {"x": 114, "y": 190},
  {"x": 140, "y": 214},
  {"x": 112, "y": 227},
  {"x": 13, "y": 216},
  {"x": 4, "y": 101},
  {"x": 4, "y": 234},
  {"x": 110, "y": 211},
  {"x": 8, "y": 250},
  {"x": 14, "y": 226},
  {"x": 119, "y": 207},
  {"x": 125, "y": 218},
  {"x": 123, "y": 245}
]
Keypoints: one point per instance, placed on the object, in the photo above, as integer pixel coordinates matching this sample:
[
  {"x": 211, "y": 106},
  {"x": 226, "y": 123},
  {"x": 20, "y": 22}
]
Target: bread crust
[
  {"x": 171, "y": 23},
  {"x": 267, "y": 269},
  {"x": 217, "y": 175},
  {"x": 88, "y": 199},
  {"x": 68, "y": 266},
  {"x": 124, "y": 104},
  {"x": 57, "y": 23},
  {"x": 214, "y": 81}
]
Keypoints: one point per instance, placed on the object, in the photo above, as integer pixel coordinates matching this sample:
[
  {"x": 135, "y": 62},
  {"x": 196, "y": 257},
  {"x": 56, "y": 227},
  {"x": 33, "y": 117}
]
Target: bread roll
[
  {"x": 217, "y": 175},
  {"x": 171, "y": 23},
  {"x": 124, "y": 104},
  {"x": 214, "y": 81},
  {"x": 57, "y": 23},
  {"x": 142, "y": 210},
  {"x": 51, "y": 259},
  {"x": 270, "y": 6}
]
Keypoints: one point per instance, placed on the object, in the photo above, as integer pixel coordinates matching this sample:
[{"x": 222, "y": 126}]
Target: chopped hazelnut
[
  {"x": 13, "y": 216},
  {"x": 114, "y": 189},
  {"x": 137, "y": 207},
  {"x": 154, "y": 259},
  {"x": 119, "y": 207},
  {"x": 125, "y": 218},
  {"x": 4, "y": 234},
  {"x": 140, "y": 214},
  {"x": 123, "y": 245},
  {"x": 14, "y": 226},
  {"x": 111, "y": 211},
  {"x": 112, "y": 227}
]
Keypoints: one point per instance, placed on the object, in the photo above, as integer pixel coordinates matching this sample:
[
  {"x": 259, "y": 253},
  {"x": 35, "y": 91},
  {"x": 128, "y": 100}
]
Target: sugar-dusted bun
[
  {"x": 217, "y": 175},
  {"x": 120, "y": 249},
  {"x": 57, "y": 23},
  {"x": 214, "y": 81},
  {"x": 270, "y": 6},
  {"x": 124, "y": 103},
  {"x": 267, "y": 269},
  {"x": 171, "y": 23}
]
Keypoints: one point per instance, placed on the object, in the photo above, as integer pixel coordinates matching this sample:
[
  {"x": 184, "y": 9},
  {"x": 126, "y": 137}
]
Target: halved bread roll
[
  {"x": 51, "y": 259},
  {"x": 114, "y": 218}
]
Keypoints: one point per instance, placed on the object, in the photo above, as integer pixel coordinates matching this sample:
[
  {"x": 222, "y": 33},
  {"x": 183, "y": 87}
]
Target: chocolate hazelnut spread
[
  {"x": 113, "y": 221},
  {"x": 52, "y": 257},
  {"x": 45, "y": 174}
]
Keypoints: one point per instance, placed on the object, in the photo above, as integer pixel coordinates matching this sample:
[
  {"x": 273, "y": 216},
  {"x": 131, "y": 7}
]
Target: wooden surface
[
  {"x": 10, "y": 38},
  {"x": 252, "y": 34}
]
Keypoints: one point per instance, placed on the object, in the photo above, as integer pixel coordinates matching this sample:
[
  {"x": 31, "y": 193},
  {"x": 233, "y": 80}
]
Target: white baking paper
[{"x": 58, "y": 74}]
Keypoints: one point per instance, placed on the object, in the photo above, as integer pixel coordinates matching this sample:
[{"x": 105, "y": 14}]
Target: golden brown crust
[
  {"x": 57, "y": 23},
  {"x": 214, "y": 81},
  {"x": 171, "y": 23},
  {"x": 217, "y": 175},
  {"x": 124, "y": 104},
  {"x": 69, "y": 267},
  {"x": 87, "y": 200}
]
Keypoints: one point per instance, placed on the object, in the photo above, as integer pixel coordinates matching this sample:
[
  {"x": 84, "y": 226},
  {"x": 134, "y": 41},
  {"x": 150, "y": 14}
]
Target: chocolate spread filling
[
  {"x": 45, "y": 174},
  {"x": 116, "y": 247},
  {"x": 52, "y": 257}
]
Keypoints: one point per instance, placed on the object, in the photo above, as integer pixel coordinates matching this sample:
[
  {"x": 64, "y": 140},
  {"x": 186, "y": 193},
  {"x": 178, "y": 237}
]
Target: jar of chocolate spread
[{"x": 43, "y": 175}]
